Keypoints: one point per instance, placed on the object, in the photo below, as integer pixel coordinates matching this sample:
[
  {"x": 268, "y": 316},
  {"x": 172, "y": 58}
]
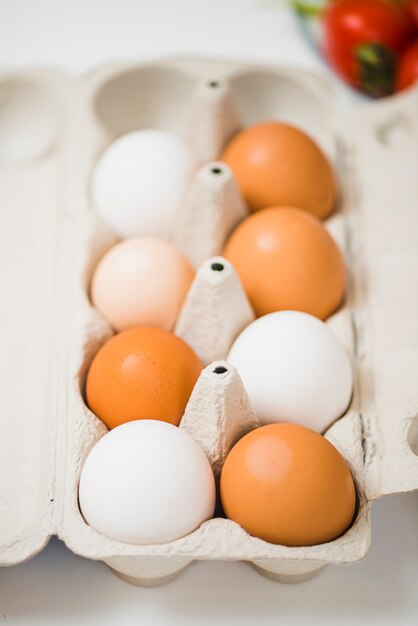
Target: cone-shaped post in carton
[
  {"x": 213, "y": 118},
  {"x": 215, "y": 311},
  {"x": 212, "y": 209},
  {"x": 218, "y": 412}
]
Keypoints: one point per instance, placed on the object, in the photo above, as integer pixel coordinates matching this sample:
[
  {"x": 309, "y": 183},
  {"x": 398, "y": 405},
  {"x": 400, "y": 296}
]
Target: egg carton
[{"x": 52, "y": 129}]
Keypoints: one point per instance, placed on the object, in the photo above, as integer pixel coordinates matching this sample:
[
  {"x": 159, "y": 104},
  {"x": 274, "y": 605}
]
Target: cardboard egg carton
[{"x": 52, "y": 130}]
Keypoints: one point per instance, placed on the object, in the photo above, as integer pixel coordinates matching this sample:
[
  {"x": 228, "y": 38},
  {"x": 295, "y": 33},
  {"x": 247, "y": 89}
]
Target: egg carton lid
[{"x": 37, "y": 246}]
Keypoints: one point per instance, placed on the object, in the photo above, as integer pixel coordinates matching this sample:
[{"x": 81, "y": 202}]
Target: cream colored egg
[{"x": 141, "y": 281}]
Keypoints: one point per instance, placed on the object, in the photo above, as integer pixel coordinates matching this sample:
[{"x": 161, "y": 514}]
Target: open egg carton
[{"x": 52, "y": 130}]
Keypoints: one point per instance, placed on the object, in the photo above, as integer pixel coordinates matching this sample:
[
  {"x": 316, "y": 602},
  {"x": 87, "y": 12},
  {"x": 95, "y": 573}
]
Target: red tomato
[
  {"x": 362, "y": 39},
  {"x": 411, "y": 7},
  {"x": 408, "y": 67}
]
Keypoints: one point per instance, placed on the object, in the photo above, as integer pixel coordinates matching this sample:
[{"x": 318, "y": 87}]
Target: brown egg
[
  {"x": 277, "y": 164},
  {"x": 286, "y": 260},
  {"x": 287, "y": 484},
  {"x": 142, "y": 373}
]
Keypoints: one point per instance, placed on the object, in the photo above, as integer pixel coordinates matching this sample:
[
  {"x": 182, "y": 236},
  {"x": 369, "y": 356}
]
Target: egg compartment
[
  {"x": 214, "y": 313},
  {"x": 217, "y": 415},
  {"x": 205, "y": 102}
]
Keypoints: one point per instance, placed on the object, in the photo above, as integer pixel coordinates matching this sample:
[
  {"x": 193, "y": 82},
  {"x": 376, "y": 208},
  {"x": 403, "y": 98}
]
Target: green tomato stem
[{"x": 308, "y": 8}]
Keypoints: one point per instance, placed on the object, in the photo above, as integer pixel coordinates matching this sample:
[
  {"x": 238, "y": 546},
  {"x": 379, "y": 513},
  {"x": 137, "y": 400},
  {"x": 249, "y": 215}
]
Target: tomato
[
  {"x": 411, "y": 8},
  {"x": 362, "y": 39},
  {"x": 408, "y": 67}
]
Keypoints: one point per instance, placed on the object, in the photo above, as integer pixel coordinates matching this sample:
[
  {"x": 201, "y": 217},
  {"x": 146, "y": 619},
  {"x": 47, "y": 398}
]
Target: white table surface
[{"x": 58, "y": 587}]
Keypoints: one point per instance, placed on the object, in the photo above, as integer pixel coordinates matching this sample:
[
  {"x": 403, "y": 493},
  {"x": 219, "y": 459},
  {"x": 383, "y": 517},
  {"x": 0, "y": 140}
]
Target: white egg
[
  {"x": 140, "y": 182},
  {"x": 294, "y": 370},
  {"x": 146, "y": 482}
]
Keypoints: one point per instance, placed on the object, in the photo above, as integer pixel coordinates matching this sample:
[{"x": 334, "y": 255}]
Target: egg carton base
[
  {"x": 283, "y": 578},
  {"x": 377, "y": 141},
  {"x": 288, "y": 579},
  {"x": 150, "y": 582}
]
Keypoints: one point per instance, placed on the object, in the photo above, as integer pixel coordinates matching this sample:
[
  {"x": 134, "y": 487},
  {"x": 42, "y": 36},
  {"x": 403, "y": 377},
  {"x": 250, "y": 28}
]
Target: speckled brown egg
[
  {"x": 142, "y": 373},
  {"x": 277, "y": 164},
  {"x": 287, "y": 260}
]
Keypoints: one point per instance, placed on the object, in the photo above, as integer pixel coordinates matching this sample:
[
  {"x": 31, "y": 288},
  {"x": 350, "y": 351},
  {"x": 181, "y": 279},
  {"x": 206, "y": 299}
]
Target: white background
[{"x": 58, "y": 587}]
